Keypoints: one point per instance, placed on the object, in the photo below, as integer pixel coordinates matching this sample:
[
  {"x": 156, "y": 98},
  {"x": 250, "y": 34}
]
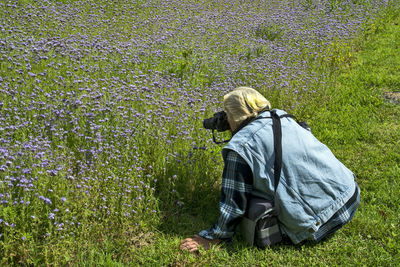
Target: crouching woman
[{"x": 316, "y": 195}]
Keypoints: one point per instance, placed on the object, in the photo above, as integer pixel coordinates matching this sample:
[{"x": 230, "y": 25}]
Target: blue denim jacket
[{"x": 313, "y": 185}]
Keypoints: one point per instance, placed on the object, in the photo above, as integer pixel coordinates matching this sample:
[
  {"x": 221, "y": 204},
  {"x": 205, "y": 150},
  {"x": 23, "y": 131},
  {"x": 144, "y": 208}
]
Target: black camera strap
[
  {"x": 276, "y": 127},
  {"x": 277, "y": 130},
  {"x": 219, "y": 142}
]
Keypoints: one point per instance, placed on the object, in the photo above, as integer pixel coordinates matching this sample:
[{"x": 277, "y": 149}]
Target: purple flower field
[{"x": 101, "y": 103}]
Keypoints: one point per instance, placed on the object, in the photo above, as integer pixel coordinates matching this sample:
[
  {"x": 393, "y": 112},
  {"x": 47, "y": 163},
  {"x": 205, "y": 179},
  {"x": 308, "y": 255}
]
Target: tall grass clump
[{"x": 101, "y": 104}]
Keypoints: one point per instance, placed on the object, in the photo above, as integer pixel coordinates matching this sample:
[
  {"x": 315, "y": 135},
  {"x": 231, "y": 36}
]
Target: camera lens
[
  {"x": 218, "y": 122},
  {"x": 209, "y": 123}
]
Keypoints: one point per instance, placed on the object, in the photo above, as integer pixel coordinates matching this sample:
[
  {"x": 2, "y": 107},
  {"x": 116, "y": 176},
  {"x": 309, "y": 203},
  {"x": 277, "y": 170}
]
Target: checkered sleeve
[{"x": 237, "y": 180}]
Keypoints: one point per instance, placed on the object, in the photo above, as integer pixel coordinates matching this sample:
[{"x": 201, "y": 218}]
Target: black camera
[{"x": 218, "y": 122}]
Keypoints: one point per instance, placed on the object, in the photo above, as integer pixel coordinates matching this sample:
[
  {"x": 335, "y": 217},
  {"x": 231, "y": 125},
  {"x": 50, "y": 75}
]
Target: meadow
[{"x": 103, "y": 156}]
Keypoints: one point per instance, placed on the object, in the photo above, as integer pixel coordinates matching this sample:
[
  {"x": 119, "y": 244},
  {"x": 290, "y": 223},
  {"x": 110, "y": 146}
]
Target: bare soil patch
[{"x": 392, "y": 97}]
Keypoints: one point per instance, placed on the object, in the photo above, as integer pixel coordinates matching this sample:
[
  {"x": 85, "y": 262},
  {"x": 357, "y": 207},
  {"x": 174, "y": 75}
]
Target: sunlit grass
[{"x": 102, "y": 152}]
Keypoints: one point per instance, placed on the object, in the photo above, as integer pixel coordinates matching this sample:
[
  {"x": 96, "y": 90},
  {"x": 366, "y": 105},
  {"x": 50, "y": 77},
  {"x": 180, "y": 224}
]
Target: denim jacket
[{"x": 313, "y": 186}]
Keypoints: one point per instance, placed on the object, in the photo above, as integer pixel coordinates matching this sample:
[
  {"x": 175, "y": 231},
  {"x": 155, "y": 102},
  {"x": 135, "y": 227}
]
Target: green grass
[
  {"x": 348, "y": 113},
  {"x": 352, "y": 117}
]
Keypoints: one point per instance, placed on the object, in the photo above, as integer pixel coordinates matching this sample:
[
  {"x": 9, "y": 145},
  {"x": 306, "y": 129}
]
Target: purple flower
[
  {"x": 46, "y": 200},
  {"x": 93, "y": 123}
]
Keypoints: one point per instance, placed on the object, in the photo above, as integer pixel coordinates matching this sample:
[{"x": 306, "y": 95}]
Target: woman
[{"x": 316, "y": 195}]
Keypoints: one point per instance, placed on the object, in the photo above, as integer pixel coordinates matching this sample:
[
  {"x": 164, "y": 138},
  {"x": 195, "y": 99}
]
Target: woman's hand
[{"x": 192, "y": 244}]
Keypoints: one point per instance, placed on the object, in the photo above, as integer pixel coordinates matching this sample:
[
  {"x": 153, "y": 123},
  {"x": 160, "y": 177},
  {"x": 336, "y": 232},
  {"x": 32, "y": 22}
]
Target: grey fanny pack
[{"x": 260, "y": 225}]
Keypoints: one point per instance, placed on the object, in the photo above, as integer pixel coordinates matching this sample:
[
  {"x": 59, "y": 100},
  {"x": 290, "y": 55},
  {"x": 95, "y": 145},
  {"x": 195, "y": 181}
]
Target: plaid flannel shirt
[{"x": 237, "y": 180}]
